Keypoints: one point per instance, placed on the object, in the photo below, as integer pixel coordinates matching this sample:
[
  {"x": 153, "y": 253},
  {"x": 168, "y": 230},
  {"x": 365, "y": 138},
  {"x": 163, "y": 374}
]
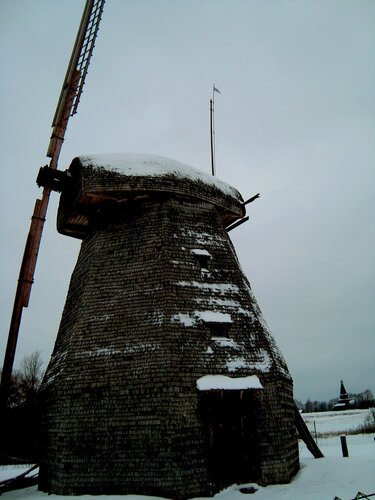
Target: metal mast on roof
[
  {"x": 212, "y": 128},
  {"x": 66, "y": 107}
]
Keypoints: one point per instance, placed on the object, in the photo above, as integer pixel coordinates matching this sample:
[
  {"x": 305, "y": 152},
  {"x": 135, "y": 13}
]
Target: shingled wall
[{"x": 121, "y": 405}]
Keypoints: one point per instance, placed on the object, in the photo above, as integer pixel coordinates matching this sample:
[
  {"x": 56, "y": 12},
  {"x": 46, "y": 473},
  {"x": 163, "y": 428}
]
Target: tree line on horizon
[{"x": 363, "y": 401}]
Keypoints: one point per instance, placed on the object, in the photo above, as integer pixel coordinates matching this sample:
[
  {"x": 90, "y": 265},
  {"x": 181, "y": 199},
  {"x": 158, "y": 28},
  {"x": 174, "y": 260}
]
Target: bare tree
[
  {"x": 19, "y": 430},
  {"x": 30, "y": 376}
]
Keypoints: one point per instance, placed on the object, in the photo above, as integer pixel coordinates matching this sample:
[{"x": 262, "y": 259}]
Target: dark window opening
[
  {"x": 203, "y": 261},
  {"x": 219, "y": 329}
]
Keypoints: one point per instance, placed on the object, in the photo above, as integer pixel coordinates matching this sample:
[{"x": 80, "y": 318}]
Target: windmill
[
  {"x": 67, "y": 106},
  {"x": 164, "y": 377}
]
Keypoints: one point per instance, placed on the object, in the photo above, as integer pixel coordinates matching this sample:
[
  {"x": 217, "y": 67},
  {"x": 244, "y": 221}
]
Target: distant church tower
[
  {"x": 164, "y": 379},
  {"x": 344, "y": 402}
]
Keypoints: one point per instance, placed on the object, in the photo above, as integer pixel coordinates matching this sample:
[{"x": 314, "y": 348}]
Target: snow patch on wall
[
  {"x": 206, "y": 316},
  {"x": 185, "y": 319},
  {"x": 111, "y": 351},
  {"x": 157, "y": 317},
  {"x": 202, "y": 238},
  {"x": 213, "y": 287},
  {"x": 223, "y": 342},
  {"x": 276, "y": 353},
  {"x": 264, "y": 362},
  {"x": 230, "y": 304},
  {"x": 238, "y": 363},
  {"x": 56, "y": 367},
  {"x": 213, "y": 316},
  {"x": 101, "y": 317}
]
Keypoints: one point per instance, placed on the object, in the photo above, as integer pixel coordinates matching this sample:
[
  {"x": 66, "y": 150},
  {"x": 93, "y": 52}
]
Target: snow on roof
[
  {"x": 135, "y": 164},
  {"x": 217, "y": 382}
]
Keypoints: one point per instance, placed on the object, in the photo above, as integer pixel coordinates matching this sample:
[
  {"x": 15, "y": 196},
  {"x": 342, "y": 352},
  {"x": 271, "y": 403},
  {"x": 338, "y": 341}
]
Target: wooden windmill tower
[{"x": 164, "y": 378}]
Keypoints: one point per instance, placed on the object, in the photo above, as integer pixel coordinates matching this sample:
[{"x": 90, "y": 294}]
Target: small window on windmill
[
  {"x": 202, "y": 257},
  {"x": 219, "y": 329},
  {"x": 217, "y": 322}
]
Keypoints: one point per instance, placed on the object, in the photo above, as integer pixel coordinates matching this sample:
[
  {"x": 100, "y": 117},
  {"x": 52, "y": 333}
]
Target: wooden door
[{"x": 231, "y": 435}]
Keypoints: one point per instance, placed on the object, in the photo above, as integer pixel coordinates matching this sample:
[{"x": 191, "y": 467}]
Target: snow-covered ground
[
  {"x": 333, "y": 422},
  {"x": 322, "y": 479}
]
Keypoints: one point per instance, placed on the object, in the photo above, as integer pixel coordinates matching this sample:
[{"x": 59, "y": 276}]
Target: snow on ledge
[
  {"x": 216, "y": 382},
  {"x": 199, "y": 251},
  {"x": 214, "y": 316},
  {"x": 206, "y": 316}
]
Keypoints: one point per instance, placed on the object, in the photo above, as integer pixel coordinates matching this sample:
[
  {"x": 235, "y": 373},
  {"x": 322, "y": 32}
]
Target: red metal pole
[{"x": 25, "y": 281}]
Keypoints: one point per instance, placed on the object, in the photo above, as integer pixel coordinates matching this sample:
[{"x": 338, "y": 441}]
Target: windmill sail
[
  {"x": 66, "y": 107},
  {"x": 76, "y": 74}
]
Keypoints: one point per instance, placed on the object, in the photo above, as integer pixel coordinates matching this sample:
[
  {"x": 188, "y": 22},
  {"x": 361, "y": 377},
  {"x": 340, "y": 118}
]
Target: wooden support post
[
  {"x": 344, "y": 446},
  {"x": 316, "y": 434}
]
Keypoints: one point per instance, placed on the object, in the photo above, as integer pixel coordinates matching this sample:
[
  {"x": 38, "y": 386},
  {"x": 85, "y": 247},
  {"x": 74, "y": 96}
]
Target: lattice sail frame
[{"x": 76, "y": 73}]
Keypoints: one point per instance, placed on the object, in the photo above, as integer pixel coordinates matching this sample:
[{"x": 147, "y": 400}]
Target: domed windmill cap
[{"x": 100, "y": 180}]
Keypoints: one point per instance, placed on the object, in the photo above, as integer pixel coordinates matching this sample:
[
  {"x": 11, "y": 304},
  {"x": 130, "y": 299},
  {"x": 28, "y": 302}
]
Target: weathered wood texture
[{"x": 122, "y": 413}]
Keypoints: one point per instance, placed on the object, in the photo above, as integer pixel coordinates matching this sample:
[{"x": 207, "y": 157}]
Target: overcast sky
[{"x": 295, "y": 121}]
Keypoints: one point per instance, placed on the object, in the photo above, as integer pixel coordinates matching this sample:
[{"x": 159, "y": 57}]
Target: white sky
[{"x": 294, "y": 121}]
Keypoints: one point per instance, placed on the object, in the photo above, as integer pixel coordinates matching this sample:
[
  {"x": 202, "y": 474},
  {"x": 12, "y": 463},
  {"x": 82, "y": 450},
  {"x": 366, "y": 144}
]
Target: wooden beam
[{"x": 305, "y": 435}]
